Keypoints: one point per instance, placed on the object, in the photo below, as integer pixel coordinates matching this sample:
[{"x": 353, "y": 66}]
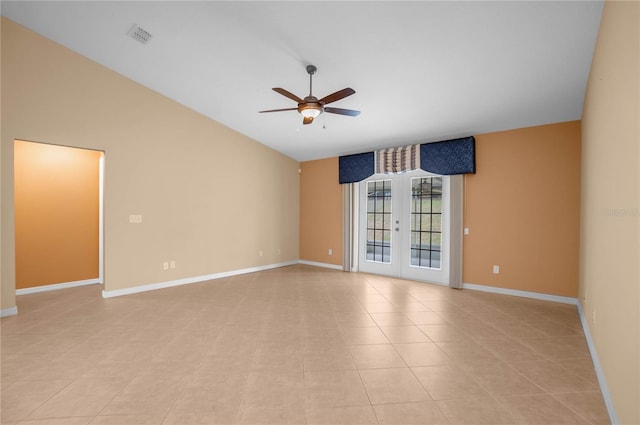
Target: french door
[{"x": 404, "y": 226}]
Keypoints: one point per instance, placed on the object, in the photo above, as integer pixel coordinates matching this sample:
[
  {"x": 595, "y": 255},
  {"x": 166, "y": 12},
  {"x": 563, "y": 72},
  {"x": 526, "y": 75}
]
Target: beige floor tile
[
  {"x": 376, "y": 356},
  {"x": 274, "y": 389},
  {"x": 519, "y": 330},
  {"x": 318, "y": 357},
  {"x": 559, "y": 348},
  {"x": 357, "y": 321},
  {"x": 349, "y": 415},
  {"x": 146, "y": 395},
  {"x": 583, "y": 367},
  {"x": 467, "y": 351},
  {"x": 424, "y": 413},
  {"x": 422, "y": 354},
  {"x": 228, "y": 359},
  {"x": 553, "y": 377},
  {"x": 371, "y": 298},
  {"x": 391, "y": 319},
  {"x": 410, "y": 305},
  {"x": 78, "y": 420},
  {"x": 334, "y": 389},
  {"x": 211, "y": 396},
  {"x": 447, "y": 382},
  {"x": 501, "y": 379},
  {"x": 221, "y": 417},
  {"x": 368, "y": 335},
  {"x": 392, "y": 386},
  {"x": 83, "y": 397},
  {"x": 400, "y": 334},
  {"x": 380, "y": 307},
  {"x": 476, "y": 411},
  {"x": 425, "y": 318},
  {"x": 540, "y": 409},
  {"x": 278, "y": 357},
  {"x": 128, "y": 420},
  {"x": 589, "y": 405},
  {"x": 264, "y": 416},
  {"x": 443, "y": 332},
  {"x": 21, "y": 398},
  {"x": 510, "y": 350},
  {"x": 439, "y": 305}
]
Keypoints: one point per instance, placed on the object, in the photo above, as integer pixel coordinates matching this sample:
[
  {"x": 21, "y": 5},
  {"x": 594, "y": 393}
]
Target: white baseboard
[
  {"x": 56, "y": 286},
  {"x": 518, "y": 293},
  {"x": 189, "y": 280},
  {"x": 325, "y": 265},
  {"x": 606, "y": 395},
  {"x": 9, "y": 311}
]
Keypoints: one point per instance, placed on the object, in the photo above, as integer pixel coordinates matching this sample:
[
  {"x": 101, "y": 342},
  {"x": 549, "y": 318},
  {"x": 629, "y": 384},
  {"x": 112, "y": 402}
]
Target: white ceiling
[{"x": 422, "y": 70}]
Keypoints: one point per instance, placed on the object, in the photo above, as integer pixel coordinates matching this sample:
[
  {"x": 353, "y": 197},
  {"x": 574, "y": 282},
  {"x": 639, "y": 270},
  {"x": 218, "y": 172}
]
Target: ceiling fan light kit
[{"x": 311, "y": 107}]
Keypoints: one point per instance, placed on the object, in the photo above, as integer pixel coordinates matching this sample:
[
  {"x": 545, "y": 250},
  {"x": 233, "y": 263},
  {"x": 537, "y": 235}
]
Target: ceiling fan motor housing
[{"x": 310, "y": 107}]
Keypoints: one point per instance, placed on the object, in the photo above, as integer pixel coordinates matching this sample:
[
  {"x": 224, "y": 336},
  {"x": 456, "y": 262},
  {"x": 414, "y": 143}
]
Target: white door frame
[{"x": 456, "y": 201}]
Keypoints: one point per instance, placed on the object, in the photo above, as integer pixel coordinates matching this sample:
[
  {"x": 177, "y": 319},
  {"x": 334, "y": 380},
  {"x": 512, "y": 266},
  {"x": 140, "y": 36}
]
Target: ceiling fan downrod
[{"x": 311, "y": 69}]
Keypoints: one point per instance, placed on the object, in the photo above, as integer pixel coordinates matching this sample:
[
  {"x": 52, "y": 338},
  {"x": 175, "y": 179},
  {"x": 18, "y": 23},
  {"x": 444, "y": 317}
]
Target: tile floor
[{"x": 296, "y": 345}]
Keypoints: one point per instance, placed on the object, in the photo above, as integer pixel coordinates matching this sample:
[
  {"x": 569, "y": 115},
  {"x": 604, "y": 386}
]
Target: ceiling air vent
[{"x": 139, "y": 34}]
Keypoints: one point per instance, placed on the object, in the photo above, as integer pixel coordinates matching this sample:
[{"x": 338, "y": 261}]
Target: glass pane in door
[
  {"x": 378, "y": 246},
  {"x": 426, "y": 222}
]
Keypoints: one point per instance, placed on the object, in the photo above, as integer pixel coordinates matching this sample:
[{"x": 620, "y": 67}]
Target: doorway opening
[{"x": 59, "y": 216}]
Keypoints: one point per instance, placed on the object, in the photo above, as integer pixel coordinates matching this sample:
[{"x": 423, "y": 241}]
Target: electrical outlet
[
  {"x": 135, "y": 218},
  {"x": 466, "y": 231},
  {"x": 496, "y": 269},
  {"x": 330, "y": 251},
  {"x": 172, "y": 264},
  {"x": 165, "y": 265}
]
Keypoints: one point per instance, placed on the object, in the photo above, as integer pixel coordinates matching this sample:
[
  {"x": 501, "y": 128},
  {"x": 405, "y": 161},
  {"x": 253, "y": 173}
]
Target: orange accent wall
[
  {"x": 320, "y": 212},
  {"x": 56, "y": 214},
  {"x": 523, "y": 210}
]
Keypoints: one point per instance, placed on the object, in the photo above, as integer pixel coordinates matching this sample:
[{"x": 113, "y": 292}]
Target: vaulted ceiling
[{"x": 422, "y": 70}]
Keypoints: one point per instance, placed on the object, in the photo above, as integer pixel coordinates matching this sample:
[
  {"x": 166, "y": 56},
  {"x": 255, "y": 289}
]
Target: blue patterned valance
[
  {"x": 354, "y": 168},
  {"x": 449, "y": 157}
]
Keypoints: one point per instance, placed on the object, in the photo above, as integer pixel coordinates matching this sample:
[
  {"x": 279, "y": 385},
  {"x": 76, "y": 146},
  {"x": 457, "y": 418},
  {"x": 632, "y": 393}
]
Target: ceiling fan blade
[
  {"x": 341, "y": 94},
  {"x": 279, "y": 110},
  {"x": 287, "y": 94},
  {"x": 341, "y": 111},
  {"x": 307, "y": 120}
]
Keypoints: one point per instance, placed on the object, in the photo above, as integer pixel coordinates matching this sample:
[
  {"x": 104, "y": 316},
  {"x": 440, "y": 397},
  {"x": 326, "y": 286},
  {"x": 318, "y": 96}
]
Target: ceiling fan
[{"x": 310, "y": 107}]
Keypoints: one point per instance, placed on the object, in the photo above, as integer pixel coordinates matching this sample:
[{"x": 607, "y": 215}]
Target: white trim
[
  {"x": 325, "y": 265},
  {"x": 101, "y": 219},
  {"x": 9, "y": 311},
  {"x": 355, "y": 223},
  {"x": 606, "y": 395},
  {"x": 189, "y": 280},
  {"x": 56, "y": 286},
  {"x": 518, "y": 293}
]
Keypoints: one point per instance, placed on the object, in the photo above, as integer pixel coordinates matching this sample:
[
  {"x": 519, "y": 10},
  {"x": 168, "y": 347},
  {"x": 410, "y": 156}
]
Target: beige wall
[
  {"x": 609, "y": 252},
  {"x": 211, "y": 199},
  {"x": 56, "y": 214},
  {"x": 320, "y": 212},
  {"x": 523, "y": 209}
]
